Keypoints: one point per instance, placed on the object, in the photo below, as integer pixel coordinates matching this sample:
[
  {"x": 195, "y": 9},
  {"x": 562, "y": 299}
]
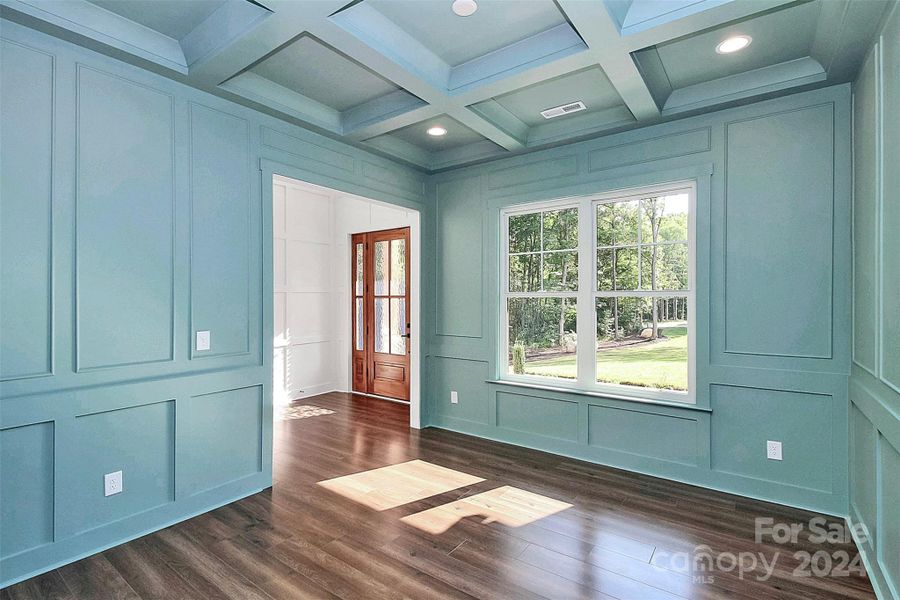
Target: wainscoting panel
[
  {"x": 467, "y": 379},
  {"x": 540, "y": 416},
  {"x": 863, "y": 468},
  {"x": 225, "y": 441},
  {"x": 742, "y": 423},
  {"x": 644, "y": 434},
  {"x": 26, "y": 487},
  {"x": 140, "y": 442}
]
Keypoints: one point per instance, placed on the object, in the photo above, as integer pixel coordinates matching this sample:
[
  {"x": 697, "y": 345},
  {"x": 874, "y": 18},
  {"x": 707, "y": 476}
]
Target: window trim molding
[{"x": 587, "y": 294}]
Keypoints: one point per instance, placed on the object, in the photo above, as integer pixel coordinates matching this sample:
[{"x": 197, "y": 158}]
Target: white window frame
[{"x": 587, "y": 294}]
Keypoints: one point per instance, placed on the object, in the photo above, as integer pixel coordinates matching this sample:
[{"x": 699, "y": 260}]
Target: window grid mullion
[{"x": 586, "y": 328}]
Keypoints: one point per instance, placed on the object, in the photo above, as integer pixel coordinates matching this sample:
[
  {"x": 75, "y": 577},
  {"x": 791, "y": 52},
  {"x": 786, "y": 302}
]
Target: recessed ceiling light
[
  {"x": 436, "y": 131},
  {"x": 733, "y": 44},
  {"x": 464, "y": 8}
]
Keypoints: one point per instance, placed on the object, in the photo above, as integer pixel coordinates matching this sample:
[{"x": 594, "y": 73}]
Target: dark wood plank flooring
[{"x": 626, "y": 536}]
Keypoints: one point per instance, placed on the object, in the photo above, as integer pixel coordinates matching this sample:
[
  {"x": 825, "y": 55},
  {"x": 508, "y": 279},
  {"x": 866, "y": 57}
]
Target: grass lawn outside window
[{"x": 660, "y": 363}]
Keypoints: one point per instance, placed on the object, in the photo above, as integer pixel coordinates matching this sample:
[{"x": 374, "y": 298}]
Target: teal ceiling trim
[
  {"x": 646, "y": 14},
  {"x": 706, "y": 14},
  {"x": 497, "y": 113},
  {"x": 541, "y": 48},
  {"x": 259, "y": 89},
  {"x": 379, "y": 110},
  {"x": 369, "y": 129},
  {"x": 401, "y": 149},
  {"x": 91, "y": 21},
  {"x": 461, "y": 70},
  {"x": 464, "y": 154},
  {"x": 793, "y": 73},
  {"x": 381, "y": 33},
  {"x": 226, "y": 24}
]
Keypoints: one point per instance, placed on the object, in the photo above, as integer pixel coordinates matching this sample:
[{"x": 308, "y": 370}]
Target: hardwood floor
[{"x": 473, "y": 519}]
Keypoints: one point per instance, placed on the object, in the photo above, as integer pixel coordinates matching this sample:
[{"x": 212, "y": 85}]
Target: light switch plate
[
  {"x": 112, "y": 483},
  {"x": 773, "y": 450},
  {"x": 202, "y": 340},
  {"x": 454, "y": 399}
]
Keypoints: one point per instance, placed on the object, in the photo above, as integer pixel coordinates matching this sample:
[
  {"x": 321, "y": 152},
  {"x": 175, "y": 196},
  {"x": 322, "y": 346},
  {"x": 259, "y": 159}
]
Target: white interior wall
[
  {"x": 312, "y": 270},
  {"x": 302, "y": 218}
]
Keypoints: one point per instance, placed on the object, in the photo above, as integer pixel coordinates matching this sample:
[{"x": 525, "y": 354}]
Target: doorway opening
[{"x": 317, "y": 342}]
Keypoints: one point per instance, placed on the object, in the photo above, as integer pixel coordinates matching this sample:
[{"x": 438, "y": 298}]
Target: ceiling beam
[{"x": 600, "y": 31}]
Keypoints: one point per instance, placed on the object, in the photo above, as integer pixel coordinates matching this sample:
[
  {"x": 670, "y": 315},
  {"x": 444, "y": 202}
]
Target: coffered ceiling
[{"x": 380, "y": 73}]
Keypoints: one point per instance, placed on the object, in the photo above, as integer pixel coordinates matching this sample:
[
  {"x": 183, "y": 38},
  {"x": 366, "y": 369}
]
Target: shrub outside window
[{"x": 598, "y": 293}]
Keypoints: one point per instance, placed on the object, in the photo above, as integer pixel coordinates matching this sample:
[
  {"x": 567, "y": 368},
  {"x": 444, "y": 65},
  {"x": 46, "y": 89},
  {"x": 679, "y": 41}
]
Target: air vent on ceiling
[{"x": 558, "y": 111}]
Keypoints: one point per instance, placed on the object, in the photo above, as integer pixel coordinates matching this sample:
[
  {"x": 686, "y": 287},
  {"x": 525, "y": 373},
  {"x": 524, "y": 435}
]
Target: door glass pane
[
  {"x": 360, "y": 326},
  {"x": 359, "y": 270},
  {"x": 542, "y": 338},
  {"x": 398, "y": 267},
  {"x": 398, "y": 326},
  {"x": 382, "y": 325},
  {"x": 381, "y": 268}
]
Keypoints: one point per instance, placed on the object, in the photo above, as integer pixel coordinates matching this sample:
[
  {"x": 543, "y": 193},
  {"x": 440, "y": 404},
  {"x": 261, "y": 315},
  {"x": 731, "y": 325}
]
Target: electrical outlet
[
  {"x": 773, "y": 450},
  {"x": 454, "y": 399},
  {"x": 202, "y": 340},
  {"x": 112, "y": 483}
]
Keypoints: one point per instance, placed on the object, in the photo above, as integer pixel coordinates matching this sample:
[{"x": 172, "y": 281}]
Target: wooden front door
[{"x": 380, "y": 310}]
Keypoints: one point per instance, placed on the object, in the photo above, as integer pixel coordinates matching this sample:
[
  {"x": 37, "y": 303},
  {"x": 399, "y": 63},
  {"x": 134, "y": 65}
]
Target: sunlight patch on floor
[
  {"x": 396, "y": 485},
  {"x": 507, "y": 505},
  {"x": 290, "y": 413}
]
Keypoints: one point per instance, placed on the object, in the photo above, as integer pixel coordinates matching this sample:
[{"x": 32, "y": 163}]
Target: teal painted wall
[
  {"x": 134, "y": 211},
  {"x": 773, "y": 301},
  {"x": 875, "y": 373}
]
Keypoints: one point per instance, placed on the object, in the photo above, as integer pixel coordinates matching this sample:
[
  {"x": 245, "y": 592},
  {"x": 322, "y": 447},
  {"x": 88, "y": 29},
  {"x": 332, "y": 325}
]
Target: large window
[{"x": 598, "y": 293}]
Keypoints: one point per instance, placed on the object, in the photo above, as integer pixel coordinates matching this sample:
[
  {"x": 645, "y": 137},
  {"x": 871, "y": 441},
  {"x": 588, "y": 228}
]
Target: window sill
[{"x": 595, "y": 394}]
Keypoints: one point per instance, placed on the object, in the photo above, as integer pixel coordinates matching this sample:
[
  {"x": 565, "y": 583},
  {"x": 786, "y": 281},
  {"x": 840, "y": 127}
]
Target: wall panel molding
[
  {"x": 26, "y": 185},
  {"x": 460, "y": 279},
  {"x": 649, "y": 150},
  {"x": 109, "y": 173},
  {"x": 797, "y": 169},
  {"x": 222, "y": 250}
]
